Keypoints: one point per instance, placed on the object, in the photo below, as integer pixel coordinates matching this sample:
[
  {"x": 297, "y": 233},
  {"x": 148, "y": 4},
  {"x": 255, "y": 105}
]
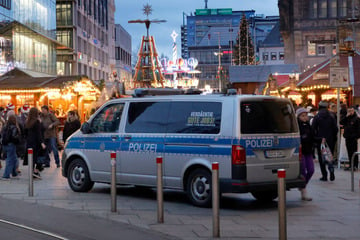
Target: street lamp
[{"x": 219, "y": 54}]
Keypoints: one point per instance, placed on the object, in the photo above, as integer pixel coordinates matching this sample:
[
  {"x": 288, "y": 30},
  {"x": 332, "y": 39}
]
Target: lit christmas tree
[{"x": 246, "y": 56}]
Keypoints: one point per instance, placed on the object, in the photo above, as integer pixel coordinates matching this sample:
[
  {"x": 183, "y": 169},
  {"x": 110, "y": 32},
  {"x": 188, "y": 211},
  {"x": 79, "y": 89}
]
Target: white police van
[{"x": 251, "y": 136}]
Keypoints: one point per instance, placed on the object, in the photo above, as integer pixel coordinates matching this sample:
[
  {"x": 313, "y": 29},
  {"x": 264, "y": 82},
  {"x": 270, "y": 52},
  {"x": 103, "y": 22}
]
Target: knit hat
[
  {"x": 10, "y": 106},
  {"x": 25, "y": 108},
  {"x": 300, "y": 111},
  {"x": 323, "y": 104}
]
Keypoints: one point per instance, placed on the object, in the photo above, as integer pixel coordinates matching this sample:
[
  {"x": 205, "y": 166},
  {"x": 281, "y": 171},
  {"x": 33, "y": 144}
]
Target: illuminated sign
[{"x": 215, "y": 11}]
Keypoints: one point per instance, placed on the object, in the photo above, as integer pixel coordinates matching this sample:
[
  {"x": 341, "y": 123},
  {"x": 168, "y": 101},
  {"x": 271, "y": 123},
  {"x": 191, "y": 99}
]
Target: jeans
[
  {"x": 51, "y": 145},
  {"x": 11, "y": 161}
]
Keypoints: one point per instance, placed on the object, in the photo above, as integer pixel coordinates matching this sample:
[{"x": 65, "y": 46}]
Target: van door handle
[
  {"x": 127, "y": 137},
  {"x": 114, "y": 137}
]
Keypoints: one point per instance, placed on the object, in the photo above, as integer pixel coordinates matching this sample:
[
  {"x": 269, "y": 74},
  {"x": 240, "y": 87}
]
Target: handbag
[{"x": 326, "y": 153}]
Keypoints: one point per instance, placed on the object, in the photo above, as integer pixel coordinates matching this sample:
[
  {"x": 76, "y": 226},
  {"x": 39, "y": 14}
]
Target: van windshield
[{"x": 267, "y": 116}]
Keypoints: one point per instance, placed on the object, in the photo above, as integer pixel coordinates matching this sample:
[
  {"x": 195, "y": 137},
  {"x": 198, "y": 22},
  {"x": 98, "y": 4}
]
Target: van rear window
[{"x": 267, "y": 116}]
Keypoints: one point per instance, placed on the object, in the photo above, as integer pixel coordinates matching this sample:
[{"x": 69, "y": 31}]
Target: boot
[{"x": 304, "y": 195}]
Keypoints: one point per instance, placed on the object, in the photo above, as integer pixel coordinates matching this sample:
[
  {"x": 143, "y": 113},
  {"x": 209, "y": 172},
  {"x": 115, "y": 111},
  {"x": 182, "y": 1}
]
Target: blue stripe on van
[{"x": 181, "y": 145}]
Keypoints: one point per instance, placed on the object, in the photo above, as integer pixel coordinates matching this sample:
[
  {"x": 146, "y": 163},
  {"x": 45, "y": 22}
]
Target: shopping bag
[
  {"x": 326, "y": 153},
  {"x": 343, "y": 155}
]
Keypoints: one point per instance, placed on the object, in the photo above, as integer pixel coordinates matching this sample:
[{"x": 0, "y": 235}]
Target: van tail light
[
  {"x": 238, "y": 155},
  {"x": 300, "y": 153}
]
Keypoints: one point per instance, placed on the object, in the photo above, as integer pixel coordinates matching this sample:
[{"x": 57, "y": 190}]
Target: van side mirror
[{"x": 85, "y": 128}]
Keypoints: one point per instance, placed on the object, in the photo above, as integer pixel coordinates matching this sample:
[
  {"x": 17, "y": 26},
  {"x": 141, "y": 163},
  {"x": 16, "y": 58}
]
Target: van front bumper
[{"x": 241, "y": 186}]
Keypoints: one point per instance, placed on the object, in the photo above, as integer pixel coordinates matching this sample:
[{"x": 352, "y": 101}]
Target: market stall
[{"x": 61, "y": 94}]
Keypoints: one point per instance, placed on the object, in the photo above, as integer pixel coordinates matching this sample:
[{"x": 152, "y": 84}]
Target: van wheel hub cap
[
  {"x": 78, "y": 175},
  {"x": 201, "y": 187}
]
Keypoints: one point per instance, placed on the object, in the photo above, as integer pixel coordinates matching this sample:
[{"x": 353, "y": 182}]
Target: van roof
[{"x": 201, "y": 97}]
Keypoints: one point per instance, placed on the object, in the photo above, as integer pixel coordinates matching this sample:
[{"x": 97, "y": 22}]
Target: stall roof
[
  {"x": 25, "y": 79},
  {"x": 259, "y": 73},
  {"x": 319, "y": 75}
]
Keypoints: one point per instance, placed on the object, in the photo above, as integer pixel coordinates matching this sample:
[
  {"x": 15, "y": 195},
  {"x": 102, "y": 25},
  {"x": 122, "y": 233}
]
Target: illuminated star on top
[
  {"x": 147, "y": 10},
  {"x": 174, "y": 35}
]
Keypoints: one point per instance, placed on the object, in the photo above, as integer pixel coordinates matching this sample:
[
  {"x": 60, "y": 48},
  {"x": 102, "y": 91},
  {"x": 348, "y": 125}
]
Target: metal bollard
[
  {"x": 352, "y": 170},
  {"x": 113, "y": 181},
  {"x": 159, "y": 190},
  {"x": 215, "y": 199},
  {"x": 31, "y": 179},
  {"x": 282, "y": 203}
]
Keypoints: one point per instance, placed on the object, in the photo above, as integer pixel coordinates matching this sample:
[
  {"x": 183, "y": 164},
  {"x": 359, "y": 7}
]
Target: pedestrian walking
[
  {"x": 10, "y": 137},
  {"x": 307, "y": 142},
  {"x": 34, "y": 139},
  {"x": 351, "y": 124},
  {"x": 325, "y": 131},
  {"x": 50, "y": 122},
  {"x": 72, "y": 124}
]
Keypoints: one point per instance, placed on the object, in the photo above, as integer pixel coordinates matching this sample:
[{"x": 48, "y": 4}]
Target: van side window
[
  {"x": 194, "y": 117},
  {"x": 267, "y": 117},
  {"x": 147, "y": 117},
  {"x": 108, "y": 120}
]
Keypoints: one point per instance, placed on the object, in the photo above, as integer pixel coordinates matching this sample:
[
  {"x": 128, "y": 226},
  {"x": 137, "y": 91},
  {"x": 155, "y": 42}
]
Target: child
[{"x": 307, "y": 141}]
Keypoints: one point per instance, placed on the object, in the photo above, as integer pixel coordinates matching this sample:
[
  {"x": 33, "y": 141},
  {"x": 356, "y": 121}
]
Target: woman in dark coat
[{"x": 34, "y": 138}]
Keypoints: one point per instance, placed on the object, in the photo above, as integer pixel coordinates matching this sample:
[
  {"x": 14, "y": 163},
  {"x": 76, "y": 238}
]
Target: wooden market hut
[
  {"x": 60, "y": 93},
  {"x": 256, "y": 78},
  {"x": 315, "y": 82}
]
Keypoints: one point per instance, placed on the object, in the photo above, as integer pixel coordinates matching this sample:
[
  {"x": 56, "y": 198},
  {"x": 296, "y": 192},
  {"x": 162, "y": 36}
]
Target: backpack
[{"x": 6, "y": 135}]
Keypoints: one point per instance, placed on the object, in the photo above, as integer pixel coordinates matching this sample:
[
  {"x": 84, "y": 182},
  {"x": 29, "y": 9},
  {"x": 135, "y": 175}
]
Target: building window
[
  {"x": 313, "y": 9},
  {"x": 333, "y": 8},
  {"x": 281, "y": 56},
  {"x": 265, "y": 56},
  {"x": 342, "y": 8},
  {"x": 6, "y": 4},
  {"x": 65, "y": 37},
  {"x": 322, "y": 8},
  {"x": 320, "y": 49},
  {"x": 273, "y": 56},
  {"x": 311, "y": 49},
  {"x": 117, "y": 53},
  {"x": 63, "y": 14}
]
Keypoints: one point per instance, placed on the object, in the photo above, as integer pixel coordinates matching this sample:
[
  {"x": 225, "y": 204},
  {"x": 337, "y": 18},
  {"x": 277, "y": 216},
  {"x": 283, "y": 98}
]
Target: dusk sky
[{"x": 172, "y": 12}]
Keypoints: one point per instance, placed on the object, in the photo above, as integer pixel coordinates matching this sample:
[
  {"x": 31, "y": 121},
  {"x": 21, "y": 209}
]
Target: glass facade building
[
  {"x": 28, "y": 36},
  {"x": 86, "y": 29}
]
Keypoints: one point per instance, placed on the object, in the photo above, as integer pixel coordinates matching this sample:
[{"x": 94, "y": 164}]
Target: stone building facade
[{"x": 315, "y": 30}]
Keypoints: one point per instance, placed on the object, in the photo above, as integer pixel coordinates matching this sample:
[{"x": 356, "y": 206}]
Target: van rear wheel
[
  {"x": 78, "y": 176},
  {"x": 265, "y": 196},
  {"x": 198, "y": 188}
]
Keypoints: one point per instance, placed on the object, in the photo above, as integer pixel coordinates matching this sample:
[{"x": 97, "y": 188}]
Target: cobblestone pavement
[{"x": 334, "y": 212}]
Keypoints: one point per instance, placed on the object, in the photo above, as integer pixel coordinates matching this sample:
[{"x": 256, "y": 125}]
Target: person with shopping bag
[
  {"x": 325, "y": 132},
  {"x": 351, "y": 124}
]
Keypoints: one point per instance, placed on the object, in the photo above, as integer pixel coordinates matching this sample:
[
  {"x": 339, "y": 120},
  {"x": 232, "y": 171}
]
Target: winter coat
[
  {"x": 70, "y": 128},
  {"x": 10, "y": 134},
  {"x": 324, "y": 126},
  {"x": 47, "y": 120},
  {"x": 306, "y": 137},
  {"x": 351, "y": 126},
  {"x": 34, "y": 138}
]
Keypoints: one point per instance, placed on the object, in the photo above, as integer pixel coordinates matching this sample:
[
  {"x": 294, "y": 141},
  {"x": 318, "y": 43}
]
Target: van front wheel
[
  {"x": 199, "y": 188},
  {"x": 79, "y": 177},
  {"x": 265, "y": 196}
]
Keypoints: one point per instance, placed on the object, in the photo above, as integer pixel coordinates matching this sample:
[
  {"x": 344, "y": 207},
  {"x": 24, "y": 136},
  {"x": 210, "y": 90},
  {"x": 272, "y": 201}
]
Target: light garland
[{"x": 30, "y": 90}]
